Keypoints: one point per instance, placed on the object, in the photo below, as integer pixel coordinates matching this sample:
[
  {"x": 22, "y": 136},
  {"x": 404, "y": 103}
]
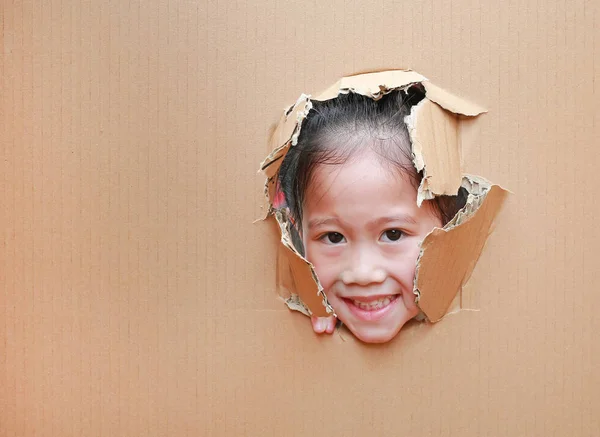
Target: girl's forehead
[
  {"x": 366, "y": 180},
  {"x": 366, "y": 169}
]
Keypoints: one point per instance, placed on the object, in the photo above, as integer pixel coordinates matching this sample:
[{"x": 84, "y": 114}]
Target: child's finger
[
  {"x": 323, "y": 324},
  {"x": 317, "y": 324},
  {"x": 331, "y": 321}
]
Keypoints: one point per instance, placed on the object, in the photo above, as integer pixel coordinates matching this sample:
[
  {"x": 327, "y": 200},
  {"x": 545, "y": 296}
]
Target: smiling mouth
[{"x": 372, "y": 304}]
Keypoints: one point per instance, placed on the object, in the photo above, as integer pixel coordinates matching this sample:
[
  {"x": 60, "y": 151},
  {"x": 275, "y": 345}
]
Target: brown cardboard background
[{"x": 138, "y": 299}]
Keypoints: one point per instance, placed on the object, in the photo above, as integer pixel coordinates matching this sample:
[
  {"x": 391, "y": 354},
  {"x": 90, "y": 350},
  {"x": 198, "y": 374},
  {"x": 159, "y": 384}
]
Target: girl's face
[{"x": 361, "y": 231}]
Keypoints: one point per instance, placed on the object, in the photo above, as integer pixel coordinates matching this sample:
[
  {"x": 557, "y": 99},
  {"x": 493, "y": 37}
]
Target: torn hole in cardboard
[{"x": 448, "y": 254}]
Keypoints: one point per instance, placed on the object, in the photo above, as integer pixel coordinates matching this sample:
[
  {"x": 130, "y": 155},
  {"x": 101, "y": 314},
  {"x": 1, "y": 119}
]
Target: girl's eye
[
  {"x": 333, "y": 238},
  {"x": 392, "y": 235}
]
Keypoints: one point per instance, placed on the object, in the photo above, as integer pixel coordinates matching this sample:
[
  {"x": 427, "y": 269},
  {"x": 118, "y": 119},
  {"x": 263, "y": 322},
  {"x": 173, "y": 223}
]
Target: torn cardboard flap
[
  {"x": 434, "y": 133},
  {"x": 283, "y": 136},
  {"x": 307, "y": 286},
  {"x": 371, "y": 84},
  {"x": 450, "y": 102},
  {"x": 448, "y": 255},
  {"x": 286, "y": 131}
]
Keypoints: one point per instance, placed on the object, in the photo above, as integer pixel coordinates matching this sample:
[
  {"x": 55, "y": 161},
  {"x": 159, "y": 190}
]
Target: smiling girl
[{"x": 351, "y": 189}]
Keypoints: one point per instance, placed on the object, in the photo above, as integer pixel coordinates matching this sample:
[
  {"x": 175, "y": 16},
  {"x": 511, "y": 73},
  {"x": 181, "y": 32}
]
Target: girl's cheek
[
  {"x": 409, "y": 303},
  {"x": 325, "y": 267},
  {"x": 324, "y": 271},
  {"x": 402, "y": 259}
]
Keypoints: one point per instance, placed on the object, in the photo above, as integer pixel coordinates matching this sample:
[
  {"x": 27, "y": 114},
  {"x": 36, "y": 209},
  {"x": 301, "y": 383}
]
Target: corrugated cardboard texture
[{"x": 137, "y": 298}]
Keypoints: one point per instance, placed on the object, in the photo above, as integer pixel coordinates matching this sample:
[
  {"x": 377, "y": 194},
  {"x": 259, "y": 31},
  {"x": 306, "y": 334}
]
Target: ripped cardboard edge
[
  {"x": 448, "y": 255},
  {"x": 434, "y": 134},
  {"x": 309, "y": 297},
  {"x": 434, "y": 126},
  {"x": 285, "y": 135}
]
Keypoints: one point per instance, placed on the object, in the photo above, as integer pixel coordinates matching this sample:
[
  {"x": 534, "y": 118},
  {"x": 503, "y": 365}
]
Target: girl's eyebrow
[
  {"x": 315, "y": 223},
  {"x": 378, "y": 222},
  {"x": 401, "y": 218}
]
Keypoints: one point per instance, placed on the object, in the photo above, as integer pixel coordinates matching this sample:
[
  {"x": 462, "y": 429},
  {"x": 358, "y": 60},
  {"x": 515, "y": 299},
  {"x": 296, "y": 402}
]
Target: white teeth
[{"x": 374, "y": 305}]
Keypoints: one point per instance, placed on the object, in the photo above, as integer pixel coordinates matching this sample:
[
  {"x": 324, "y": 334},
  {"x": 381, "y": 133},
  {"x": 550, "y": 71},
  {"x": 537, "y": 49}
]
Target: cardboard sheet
[{"x": 137, "y": 296}]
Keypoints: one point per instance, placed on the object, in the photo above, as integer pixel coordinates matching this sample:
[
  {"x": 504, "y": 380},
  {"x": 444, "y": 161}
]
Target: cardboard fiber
[
  {"x": 448, "y": 255},
  {"x": 138, "y": 299}
]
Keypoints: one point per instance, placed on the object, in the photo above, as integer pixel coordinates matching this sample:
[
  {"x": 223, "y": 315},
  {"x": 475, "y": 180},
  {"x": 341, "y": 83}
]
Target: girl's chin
[{"x": 375, "y": 335}]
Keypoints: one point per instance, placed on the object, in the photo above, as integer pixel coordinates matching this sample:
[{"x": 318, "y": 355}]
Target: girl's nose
[{"x": 364, "y": 269}]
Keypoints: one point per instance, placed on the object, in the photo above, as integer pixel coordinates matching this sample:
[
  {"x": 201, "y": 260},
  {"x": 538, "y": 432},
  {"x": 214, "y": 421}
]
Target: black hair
[{"x": 335, "y": 128}]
